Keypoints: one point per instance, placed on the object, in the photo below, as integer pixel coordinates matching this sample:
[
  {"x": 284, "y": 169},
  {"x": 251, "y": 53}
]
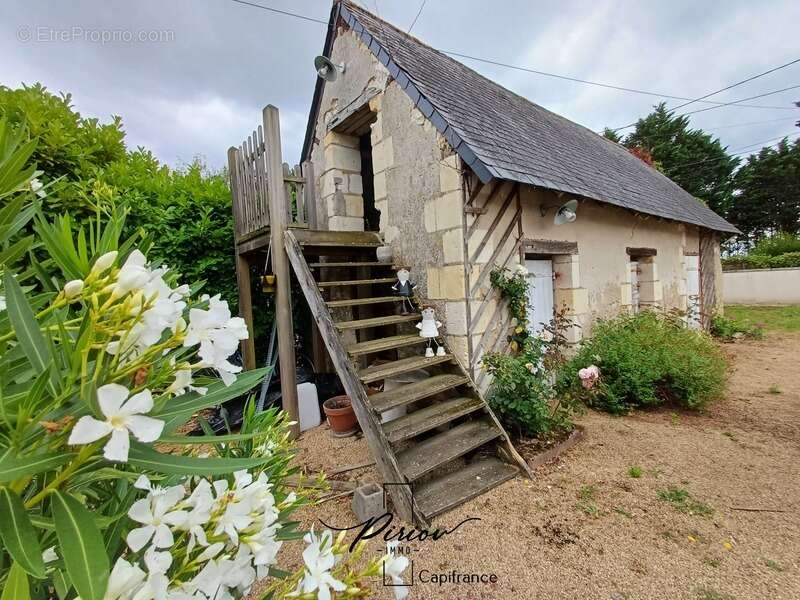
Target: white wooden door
[
  {"x": 540, "y": 294},
  {"x": 692, "y": 265},
  {"x": 634, "y": 271}
]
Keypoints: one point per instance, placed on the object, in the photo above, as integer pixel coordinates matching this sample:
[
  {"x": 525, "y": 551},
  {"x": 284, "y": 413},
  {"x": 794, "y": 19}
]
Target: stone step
[
  {"x": 424, "y": 457},
  {"x": 344, "y": 239},
  {"x": 406, "y": 394},
  {"x": 387, "y": 343},
  {"x": 376, "y": 322},
  {"x": 355, "y": 264},
  {"x": 398, "y": 367},
  {"x": 361, "y": 301},
  {"x": 329, "y": 284},
  {"x": 429, "y": 418},
  {"x": 442, "y": 494}
]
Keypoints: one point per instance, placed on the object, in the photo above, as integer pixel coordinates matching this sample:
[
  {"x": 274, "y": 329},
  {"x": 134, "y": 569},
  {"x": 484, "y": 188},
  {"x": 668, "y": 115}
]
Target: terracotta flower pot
[{"x": 341, "y": 417}]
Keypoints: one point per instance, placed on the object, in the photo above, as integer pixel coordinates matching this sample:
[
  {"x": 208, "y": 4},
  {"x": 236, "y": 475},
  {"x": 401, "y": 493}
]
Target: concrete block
[
  {"x": 354, "y": 184},
  {"x": 575, "y": 299},
  {"x": 458, "y": 347},
  {"x": 376, "y": 130},
  {"x": 382, "y": 206},
  {"x": 453, "y": 246},
  {"x": 650, "y": 292},
  {"x": 432, "y": 274},
  {"x": 379, "y": 185},
  {"x": 354, "y": 205},
  {"x": 368, "y": 502},
  {"x": 340, "y": 157},
  {"x": 382, "y": 155},
  {"x": 430, "y": 216},
  {"x": 648, "y": 270},
  {"x": 456, "y": 318},
  {"x": 449, "y": 174},
  {"x": 335, "y": 204},
  {"x": 573, "y": 335},
  {"x": 625, "y": 294},
  {"x": 340, "y": 223},
  {"x": 449, "y": 210},
  {"x": 567, "y": 273},
  {"x": 340, "y": 139},
  {"x": 451, "y": 282}
]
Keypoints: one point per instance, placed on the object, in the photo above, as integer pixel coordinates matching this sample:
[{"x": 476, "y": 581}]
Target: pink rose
[{"x": 589, "y": 376}]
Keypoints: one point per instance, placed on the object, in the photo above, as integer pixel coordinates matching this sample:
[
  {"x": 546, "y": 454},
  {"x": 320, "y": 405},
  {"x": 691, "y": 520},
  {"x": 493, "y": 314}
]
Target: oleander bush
[
  {"x": 104, "y": 356},
  {"x": 647, "y": 359}
]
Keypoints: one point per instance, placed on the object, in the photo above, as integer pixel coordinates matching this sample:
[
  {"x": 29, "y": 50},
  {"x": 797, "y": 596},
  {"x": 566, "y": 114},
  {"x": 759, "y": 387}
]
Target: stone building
[{"x": 461, "y": 175}]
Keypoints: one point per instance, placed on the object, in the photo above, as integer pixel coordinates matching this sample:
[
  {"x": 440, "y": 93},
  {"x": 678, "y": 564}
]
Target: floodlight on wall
[
  {"x": 566, "y": 213},
  {"x": 327, "y": 69}
]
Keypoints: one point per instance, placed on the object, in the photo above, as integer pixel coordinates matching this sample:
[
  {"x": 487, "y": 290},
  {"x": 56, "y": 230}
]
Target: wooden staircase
[{"x": 447, "y": 447}]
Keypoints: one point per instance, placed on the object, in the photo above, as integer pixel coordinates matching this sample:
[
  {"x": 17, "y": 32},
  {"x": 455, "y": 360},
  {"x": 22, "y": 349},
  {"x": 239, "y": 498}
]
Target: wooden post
[
  {"x": 242, "y": 268},
  {"x": 280, "y": 265},
  {"x": 309, "y": 195}
]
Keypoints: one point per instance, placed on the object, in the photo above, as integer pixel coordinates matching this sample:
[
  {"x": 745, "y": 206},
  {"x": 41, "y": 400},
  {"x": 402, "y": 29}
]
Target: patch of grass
[
  {"x": 675, "y": 418},
  {"x": 635, "y": 472},
  {"x": 774, "y": 389},
  {"x": 591, "y": 509},
  {"x": 711, "y": 561},
  {"x": 623, "y": 512},
  {"x": 681, "y": 500},
  {"x": 706, "y": 593},
  {"x": 771, "y": 318},
  {"x": 587, "y": 492},
  {"x": 773, "y": 565}
]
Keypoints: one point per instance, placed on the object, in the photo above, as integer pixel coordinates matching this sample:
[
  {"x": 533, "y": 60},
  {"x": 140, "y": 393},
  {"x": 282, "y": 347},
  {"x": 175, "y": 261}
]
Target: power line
[
  {"x": 548, "y": 74},
  {"x": 281, "y": 12},
  {"x": 732, "y": 125},
  {"x": 419, "y": 12},
  {"x": 699, "y": 110},
  {"x": 727, "y": 87},
  {"x": 589, "y": 82},
  {"x": 735, "y": 152}
]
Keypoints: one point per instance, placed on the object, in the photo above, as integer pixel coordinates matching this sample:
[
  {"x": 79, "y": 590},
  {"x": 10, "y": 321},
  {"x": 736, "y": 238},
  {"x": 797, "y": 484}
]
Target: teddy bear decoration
[
  {"x": 404, "y": 288},
  {"x": 429, "y": 328}
]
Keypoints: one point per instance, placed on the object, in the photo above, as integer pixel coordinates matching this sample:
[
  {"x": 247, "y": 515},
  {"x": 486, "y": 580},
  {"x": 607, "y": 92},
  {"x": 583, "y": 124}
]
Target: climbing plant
[{"x": 513, "y": 288}]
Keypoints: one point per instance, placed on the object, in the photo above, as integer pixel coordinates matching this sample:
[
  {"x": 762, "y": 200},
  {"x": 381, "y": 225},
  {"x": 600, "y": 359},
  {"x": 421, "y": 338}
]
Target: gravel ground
[{"x": 585, "y": 528}]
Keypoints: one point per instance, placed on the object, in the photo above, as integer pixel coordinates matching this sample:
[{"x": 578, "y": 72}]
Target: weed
[
  {"x": 591, "y": 509},
  {"x": 773, "y": 565},
  {"x": 587, "y": 492},
  {"x": 635, "y": 472},
  {"x": 675, "y": 418},
  {"x": 623, "y": 512},
  {"x": 681, "y": 500},
  {"x": 774, "y": 389},
  {"x": 711, "y": 561}
]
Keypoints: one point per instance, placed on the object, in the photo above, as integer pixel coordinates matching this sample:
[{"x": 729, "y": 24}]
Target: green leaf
[
  {"x": 206, "y": 439},
  {"x": 62, "y": 584},
  {"x": 12, "y": 467},
  {"x": 144, "y": 457},
  {"x": 16, "y": 587},
  {"x": 18, "y": 534},
  {"x": 26, "y": 328},
  {"x": 81, "y": 545}
]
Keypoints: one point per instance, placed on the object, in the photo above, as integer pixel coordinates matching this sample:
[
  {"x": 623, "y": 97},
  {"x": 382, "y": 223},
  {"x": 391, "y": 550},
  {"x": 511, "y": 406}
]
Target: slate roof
[{"x": 502, "y": 135}]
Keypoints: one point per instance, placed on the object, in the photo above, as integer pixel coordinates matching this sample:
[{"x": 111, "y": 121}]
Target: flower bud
[
  {"x": 73, "y": 288},
  {"x": 104, "y": 262}
]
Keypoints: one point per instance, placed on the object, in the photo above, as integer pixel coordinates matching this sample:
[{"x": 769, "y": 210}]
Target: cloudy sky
[{"x": 201, "y": 88}]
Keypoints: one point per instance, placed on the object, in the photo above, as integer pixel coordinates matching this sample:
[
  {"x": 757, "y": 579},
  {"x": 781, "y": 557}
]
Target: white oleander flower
[
  {"x": 125, "y": 580},
  {"x": 49, "y": 555},
  {"x": 218, "y": 335},
  {"x": 133, "y": 275},
  {"x": 238, "y": 573},
  {"x": 155, "y": 515},
  {"x": 123, "y": 415},
  {"x": 73, "y": 288},
  {"x": 104, "y": 262},
  {"x": 319, "y": 560},
  {"x": 393, "y": 567},
  {"x": 183, "y": 382},
  {"x": 37, "y": 187},
  {"x": 2, "y": 303}
]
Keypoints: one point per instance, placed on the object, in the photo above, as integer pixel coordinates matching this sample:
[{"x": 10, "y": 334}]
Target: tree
[
  {"x": 612, "y": 135},
  {"x": 768, "y": 192},
  {"x": 692, "y": 158}
]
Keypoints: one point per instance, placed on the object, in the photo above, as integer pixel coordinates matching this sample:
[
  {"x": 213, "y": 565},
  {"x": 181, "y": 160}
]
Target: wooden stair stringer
[{"x": 385, "y": 458}]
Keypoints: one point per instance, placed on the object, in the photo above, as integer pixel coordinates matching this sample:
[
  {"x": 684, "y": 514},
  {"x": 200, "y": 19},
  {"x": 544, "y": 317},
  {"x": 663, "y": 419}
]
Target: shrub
[
  {"x": 645, "y": 360},
  {"x": 782, "y": 243},
  {"x": 728, "y": 329},
  {"x": 761, "y": 261}
]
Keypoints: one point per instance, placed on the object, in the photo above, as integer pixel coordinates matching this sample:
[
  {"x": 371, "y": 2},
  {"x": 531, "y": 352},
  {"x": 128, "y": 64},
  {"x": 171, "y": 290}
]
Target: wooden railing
[{"x": 248, "y": 165}]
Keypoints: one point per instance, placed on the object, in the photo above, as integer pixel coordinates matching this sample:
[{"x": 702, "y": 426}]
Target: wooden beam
[
  {"x": 280, "y": 265},
  {"x": 246, "y": 310},
  {"x": 500, "y": 214},
  {"x": 379, "y": 445},
  {"x": 641, "y": 251},
  {"x": 549, "y": 247},
  {"x": 309, "y": 193}
]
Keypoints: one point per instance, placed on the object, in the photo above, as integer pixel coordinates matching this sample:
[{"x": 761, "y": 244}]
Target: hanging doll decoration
[
  {"x": 404, "y": 288},
  {"x": 429, "y": 328}
]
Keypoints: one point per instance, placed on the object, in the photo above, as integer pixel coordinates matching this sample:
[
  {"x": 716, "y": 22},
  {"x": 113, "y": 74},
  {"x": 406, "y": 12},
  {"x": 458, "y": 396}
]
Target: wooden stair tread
[
  {"x": 440, "y": 495},
  {"x": 361, "y": 301},
  {"x": 429, "y": 418},
  {"x": 424, "y": 457},
  {"x": 406, "y": 394},
  {"x": 356, "y": 282},
  {"x": 398, "y": 367},
  {"x": 377, "y": 321},
  {"x": 349, "y": 239},
  {"x": 320, "y": 265},
  {"x": 387, "y": 343}
]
